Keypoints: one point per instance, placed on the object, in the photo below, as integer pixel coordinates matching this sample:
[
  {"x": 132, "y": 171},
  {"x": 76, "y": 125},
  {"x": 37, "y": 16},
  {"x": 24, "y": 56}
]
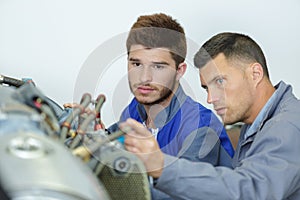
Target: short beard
[{"x": 165, "y": 94}]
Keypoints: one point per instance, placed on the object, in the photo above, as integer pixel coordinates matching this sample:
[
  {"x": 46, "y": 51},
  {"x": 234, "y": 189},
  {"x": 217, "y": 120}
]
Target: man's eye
[
  {"x": 220, "y": 81},
  {"x": 136, "y": 64},
  {"x": 158, "y": 66}
]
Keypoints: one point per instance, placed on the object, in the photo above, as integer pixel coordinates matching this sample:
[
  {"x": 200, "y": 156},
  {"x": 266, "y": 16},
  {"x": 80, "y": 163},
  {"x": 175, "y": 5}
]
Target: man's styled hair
[
  {"x": 159, "y": 31},
  {"x": 235, "y": 47}
]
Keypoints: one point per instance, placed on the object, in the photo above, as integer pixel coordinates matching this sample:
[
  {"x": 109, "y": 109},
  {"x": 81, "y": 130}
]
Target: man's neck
[
  {"x": 264, "y": 93},
  {"x": 153, "y": 110}
]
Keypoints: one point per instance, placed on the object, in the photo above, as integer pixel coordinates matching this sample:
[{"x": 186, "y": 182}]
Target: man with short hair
[
  {"x": 156, "y": 47},
  {"x": 266, "y": 164}
]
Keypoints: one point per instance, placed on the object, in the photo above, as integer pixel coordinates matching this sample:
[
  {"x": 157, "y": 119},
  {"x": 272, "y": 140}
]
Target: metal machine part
[
  {"x": 33, "y": 163},
  {"x": 49, "y": 154},
  {"x": 35, "y": 166}
]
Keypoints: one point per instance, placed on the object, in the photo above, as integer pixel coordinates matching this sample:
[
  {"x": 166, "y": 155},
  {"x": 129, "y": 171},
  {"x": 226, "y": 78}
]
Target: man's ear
[
  {"x": 181, "y": 70},
  {"x": 257, "y": 72}
]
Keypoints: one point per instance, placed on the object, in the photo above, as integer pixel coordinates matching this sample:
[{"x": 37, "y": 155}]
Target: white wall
[{"x": 69, "y": 47}]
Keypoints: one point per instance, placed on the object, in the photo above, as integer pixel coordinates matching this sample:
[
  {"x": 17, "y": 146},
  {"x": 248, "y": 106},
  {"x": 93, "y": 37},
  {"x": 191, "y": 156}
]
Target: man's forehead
[
  {"x": 137, "y": 47},
  {"x": 209, "y": 71}
]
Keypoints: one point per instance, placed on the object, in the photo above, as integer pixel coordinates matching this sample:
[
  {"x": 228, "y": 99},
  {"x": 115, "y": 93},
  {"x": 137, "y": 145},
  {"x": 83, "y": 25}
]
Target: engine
[{"x": 52, "y": 153}]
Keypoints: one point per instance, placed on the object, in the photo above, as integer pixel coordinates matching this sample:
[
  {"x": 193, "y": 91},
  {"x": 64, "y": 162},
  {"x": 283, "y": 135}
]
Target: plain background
[{"x": 69, "y": 47}]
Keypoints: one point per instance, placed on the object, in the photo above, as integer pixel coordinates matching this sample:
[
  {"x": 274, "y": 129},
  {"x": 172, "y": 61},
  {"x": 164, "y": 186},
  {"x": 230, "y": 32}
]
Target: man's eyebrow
[
  {"x": 161, "y": 63},
  {"x": 155, "y": 62},
  {"x": 134, "y": 59}
]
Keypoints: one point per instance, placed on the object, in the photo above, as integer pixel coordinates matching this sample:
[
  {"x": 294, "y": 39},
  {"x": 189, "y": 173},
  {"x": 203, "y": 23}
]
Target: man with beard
[
  {"x": 266, "y": 164},
  {"x": 156, "y": 47}
]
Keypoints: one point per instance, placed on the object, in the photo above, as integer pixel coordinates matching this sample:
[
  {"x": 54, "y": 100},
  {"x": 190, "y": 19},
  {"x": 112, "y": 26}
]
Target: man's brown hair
[{"x": 159, "y": 31}]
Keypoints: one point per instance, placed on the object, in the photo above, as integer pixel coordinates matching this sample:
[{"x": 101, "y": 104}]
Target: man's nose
[
  {"x": 211, "y": 97},
  {"x": 146, "y": 74}
]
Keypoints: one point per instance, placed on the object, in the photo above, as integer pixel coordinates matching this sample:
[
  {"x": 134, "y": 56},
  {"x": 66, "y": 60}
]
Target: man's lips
[
  {"x": 220, "y": 111},
  {"x": 145, "y": 89}
]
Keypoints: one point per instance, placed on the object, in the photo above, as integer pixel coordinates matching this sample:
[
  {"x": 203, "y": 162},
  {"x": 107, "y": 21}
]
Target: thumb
[{"x": 135, "y": 127}]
